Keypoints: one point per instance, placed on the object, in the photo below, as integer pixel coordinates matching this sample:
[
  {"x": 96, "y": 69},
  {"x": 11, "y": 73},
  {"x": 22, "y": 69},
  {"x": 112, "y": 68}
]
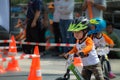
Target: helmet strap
[{"x": 84, "y": 34}]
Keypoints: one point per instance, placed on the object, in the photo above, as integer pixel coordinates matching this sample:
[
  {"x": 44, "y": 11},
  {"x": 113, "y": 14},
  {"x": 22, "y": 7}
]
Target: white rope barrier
[
  {"x": 19, "y": 57},
  {"x": 48, "y": 44}
]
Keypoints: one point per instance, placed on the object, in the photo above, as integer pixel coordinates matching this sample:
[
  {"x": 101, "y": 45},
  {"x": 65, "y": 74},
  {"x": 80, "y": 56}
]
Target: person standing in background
[
  {"x": 110, "y": 32},
  {"x": 98, "y": 6},
  {"x": 56, "y": 21},
  {"x": 34, "y": 27},
  {"x": 66, "y": 10},
  {"x": 49, "y": 36}
]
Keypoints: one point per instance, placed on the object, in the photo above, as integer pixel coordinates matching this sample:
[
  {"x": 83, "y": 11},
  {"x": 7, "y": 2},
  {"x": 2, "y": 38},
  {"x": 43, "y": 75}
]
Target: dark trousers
[
  {"x": 57, "y": 33},
  {"x": 34, "y": 34}
]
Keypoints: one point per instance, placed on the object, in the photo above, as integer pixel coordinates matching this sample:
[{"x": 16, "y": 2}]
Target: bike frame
[{"x": 73, "y": 68}]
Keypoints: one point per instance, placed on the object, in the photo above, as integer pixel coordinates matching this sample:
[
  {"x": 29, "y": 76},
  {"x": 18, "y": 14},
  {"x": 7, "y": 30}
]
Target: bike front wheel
[{"x": 105, "y": 70}]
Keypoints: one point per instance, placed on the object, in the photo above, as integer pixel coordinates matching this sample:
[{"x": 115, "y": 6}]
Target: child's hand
[
  {"x": 66, "y": 55},
  {"x": 81, "y": 54}
]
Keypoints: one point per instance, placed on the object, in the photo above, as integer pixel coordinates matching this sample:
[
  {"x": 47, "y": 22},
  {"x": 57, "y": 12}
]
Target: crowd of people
[{"x": 60, "y": 24}]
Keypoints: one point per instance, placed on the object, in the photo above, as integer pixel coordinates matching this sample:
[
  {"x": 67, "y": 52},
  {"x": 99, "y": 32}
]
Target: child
[
  {"x": 22, "y": 34},
  {"x": 49, "y": 36},
  {"x": 100, "y": 39},
  {"x": 85, "y": 49}
]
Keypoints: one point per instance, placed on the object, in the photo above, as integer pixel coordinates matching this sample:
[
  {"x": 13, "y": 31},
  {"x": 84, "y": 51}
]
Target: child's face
[
  {"x": 78, "y": 34},
  {"x": 98, "y": 35}
]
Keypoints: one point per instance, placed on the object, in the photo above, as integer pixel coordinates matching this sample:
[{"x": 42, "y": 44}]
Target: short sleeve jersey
[
  {"x": 34, "y": 5},
  {"x": 96, "y": 12}
]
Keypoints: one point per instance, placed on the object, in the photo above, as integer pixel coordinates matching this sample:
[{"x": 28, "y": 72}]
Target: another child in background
[
  {"x": 101, "y": 40},
  {"x": 51, "y": 10},
  {"x": 85, "y": 49},
  {"x": 49, "y": 36},
  {"x": 22, "y": 34}
]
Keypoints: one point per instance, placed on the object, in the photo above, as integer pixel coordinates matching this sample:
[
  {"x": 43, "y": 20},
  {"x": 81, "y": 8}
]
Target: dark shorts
[{"x": 92, "y": 69}]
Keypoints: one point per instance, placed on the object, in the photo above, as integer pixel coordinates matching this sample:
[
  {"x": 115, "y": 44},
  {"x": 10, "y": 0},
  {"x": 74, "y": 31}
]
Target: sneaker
[{"x": 111, "y": 75}]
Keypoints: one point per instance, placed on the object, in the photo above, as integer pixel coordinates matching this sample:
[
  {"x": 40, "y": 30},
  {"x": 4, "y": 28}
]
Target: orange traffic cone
[
  {"x": 13, "y": 64},
  {"x": 35, "y": 70},
  {"x": 77, "y": 61},
  {"x": 2, "y": 70},
  {"x": 12, "y": 47}
]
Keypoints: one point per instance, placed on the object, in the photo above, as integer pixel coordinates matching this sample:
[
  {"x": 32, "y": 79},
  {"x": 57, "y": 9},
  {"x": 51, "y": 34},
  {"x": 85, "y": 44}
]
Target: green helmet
[{"x": 79, "y": 24}]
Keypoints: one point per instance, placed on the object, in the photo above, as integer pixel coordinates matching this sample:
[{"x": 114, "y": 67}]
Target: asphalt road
[{"x": 52, "y": 68}]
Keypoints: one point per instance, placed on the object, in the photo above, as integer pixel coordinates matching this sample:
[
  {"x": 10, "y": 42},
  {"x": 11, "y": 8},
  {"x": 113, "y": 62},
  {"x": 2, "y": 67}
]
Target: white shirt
[
  {"x": 66, "y": 9},
  {"x": 56, "y": 14},
  {"x": 96, "y": 12},
  {"x": 92, "y": 59}
]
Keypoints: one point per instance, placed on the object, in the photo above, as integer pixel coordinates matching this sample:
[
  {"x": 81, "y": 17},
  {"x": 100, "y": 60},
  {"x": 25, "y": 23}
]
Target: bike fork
[{"x": 75, "y": 72}]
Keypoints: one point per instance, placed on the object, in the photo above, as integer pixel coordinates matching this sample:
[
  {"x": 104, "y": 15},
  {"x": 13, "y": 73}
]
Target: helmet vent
[{"x": 84, "y": 22}]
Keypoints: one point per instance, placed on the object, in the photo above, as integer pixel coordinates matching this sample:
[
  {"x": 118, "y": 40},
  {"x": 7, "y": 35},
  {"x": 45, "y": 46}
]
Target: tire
[
  {"x": 60, "y": 78},
  {"x": 105, "y": 70},
  {"x": 67, "y": 76}
]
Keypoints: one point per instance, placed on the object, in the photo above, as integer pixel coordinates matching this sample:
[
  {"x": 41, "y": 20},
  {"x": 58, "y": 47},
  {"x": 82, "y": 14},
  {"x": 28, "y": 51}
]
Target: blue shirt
[
  {"x": 49, "y": 34},
  {"x": 50, "y": 16},
  {"x": 33, "y": 5}
]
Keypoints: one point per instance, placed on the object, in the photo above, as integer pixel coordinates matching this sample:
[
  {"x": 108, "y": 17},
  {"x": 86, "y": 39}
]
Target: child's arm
[
  {"x": 88, "y": 48},
  {"x": 47, "y": 38},
  {"x": 73, "y": 51},
  {"x": 108, "y": 40}
]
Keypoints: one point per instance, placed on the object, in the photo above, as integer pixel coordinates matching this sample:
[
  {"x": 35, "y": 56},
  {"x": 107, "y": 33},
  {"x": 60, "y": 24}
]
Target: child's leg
[
  {"x": 97, "y": 71},
  {"x": 109, "y": 66},
  {"x": 86, "y": 73},
  {"x": 111, "y": 75}
]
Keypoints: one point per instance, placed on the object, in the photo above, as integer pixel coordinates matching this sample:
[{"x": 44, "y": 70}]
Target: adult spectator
[
  {"x": 34, "y": 28},
  {"x": 110, "y": 32},
  {"x": 56, "y": 21},
  {"x": 66, "y": 9},
  {"x": 98, "y": 6}
]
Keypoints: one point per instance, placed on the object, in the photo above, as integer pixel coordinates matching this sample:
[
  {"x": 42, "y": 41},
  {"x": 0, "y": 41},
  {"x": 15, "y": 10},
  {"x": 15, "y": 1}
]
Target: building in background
[{"x": 4, "y": 19}]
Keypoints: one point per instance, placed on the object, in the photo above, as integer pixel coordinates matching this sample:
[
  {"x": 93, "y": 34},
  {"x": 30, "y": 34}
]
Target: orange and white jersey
[
  {"x": 100, "y": 44},
  {"x": 102, "y": 41},
  {"x": 88, "y": 48}
]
